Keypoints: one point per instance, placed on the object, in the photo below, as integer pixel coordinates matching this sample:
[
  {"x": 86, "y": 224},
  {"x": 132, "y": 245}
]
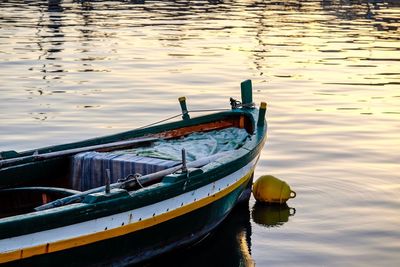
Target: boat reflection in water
[
  {"x": 271, "y": 215},
  {"x": 228, "y": 245}
]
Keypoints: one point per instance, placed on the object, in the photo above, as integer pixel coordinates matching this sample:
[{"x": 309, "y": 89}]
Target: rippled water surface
[{"x": 329, "y": 70}]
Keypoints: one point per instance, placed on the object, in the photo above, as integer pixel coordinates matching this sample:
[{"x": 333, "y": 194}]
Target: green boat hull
[{"x": 148, "y": 243}]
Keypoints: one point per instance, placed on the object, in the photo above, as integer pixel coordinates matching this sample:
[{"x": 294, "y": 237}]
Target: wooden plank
[
  {"x": 197, "y": 128},
  {"x": 68, "y": 152}
]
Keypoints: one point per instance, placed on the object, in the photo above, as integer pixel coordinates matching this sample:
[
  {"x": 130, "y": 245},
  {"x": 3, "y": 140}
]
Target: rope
[
  {"x": 237, "y": 104},
  {"x": 157, "y": 122},
  {"x": 135, "y": 177},
  {"x": 208, "y": 110},
  {"x": 178, "y": 115}
]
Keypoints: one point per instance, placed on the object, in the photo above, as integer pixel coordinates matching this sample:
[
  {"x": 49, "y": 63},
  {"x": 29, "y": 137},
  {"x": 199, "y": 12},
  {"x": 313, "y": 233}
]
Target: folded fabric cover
[{"x": 89, "y": 168}]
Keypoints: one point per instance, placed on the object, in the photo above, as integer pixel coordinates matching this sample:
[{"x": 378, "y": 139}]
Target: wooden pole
[
  {"x": 261, "y": 114},
  {"x": 247, "y": 93},
  {"x": 185, "y": 113},
  {"x": 72, "y": 151}
]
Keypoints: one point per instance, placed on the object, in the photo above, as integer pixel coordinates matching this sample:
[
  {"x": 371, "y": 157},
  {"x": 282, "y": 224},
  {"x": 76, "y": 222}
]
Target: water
[{"x": 329, "y": 70}]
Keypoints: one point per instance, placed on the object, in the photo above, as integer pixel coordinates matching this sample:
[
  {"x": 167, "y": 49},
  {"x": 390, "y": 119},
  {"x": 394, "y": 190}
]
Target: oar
[
  {"x": 143, "y": 180},
  {"x": 72, "y": 151}
]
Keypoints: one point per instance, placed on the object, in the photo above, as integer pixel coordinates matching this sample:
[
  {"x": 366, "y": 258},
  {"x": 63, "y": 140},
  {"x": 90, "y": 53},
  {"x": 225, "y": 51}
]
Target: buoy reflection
[{"x": 271, "y": 215}]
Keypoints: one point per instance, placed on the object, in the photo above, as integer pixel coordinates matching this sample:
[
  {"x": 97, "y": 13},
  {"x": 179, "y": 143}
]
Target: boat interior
[{"x": 44, "y": 181}]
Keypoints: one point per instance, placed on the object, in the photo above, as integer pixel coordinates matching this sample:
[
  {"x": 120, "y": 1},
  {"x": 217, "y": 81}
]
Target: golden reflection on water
[{"x": 329, "y": 71}]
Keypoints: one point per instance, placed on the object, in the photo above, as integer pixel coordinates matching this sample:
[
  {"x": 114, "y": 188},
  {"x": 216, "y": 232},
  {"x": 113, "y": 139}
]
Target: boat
[{"x": 146, "y": 191}]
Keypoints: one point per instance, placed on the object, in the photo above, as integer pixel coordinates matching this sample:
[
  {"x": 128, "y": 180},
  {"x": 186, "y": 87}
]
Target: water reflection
[
  {"x": 50, "y": 38},
  {"x": 229, "y": 245},
  {"x": 271, "y": 215},
  {"x": 373, "y": 10}
]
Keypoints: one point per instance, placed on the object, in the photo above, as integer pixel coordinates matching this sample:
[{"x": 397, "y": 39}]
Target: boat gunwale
[{"x": 134, "y": 133}]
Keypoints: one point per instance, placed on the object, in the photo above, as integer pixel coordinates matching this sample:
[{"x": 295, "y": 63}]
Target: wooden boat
[{"x": 84, "y": 198}]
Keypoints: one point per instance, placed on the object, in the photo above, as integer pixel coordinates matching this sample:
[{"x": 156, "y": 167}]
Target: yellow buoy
[{"x": 270, "y": 189}]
